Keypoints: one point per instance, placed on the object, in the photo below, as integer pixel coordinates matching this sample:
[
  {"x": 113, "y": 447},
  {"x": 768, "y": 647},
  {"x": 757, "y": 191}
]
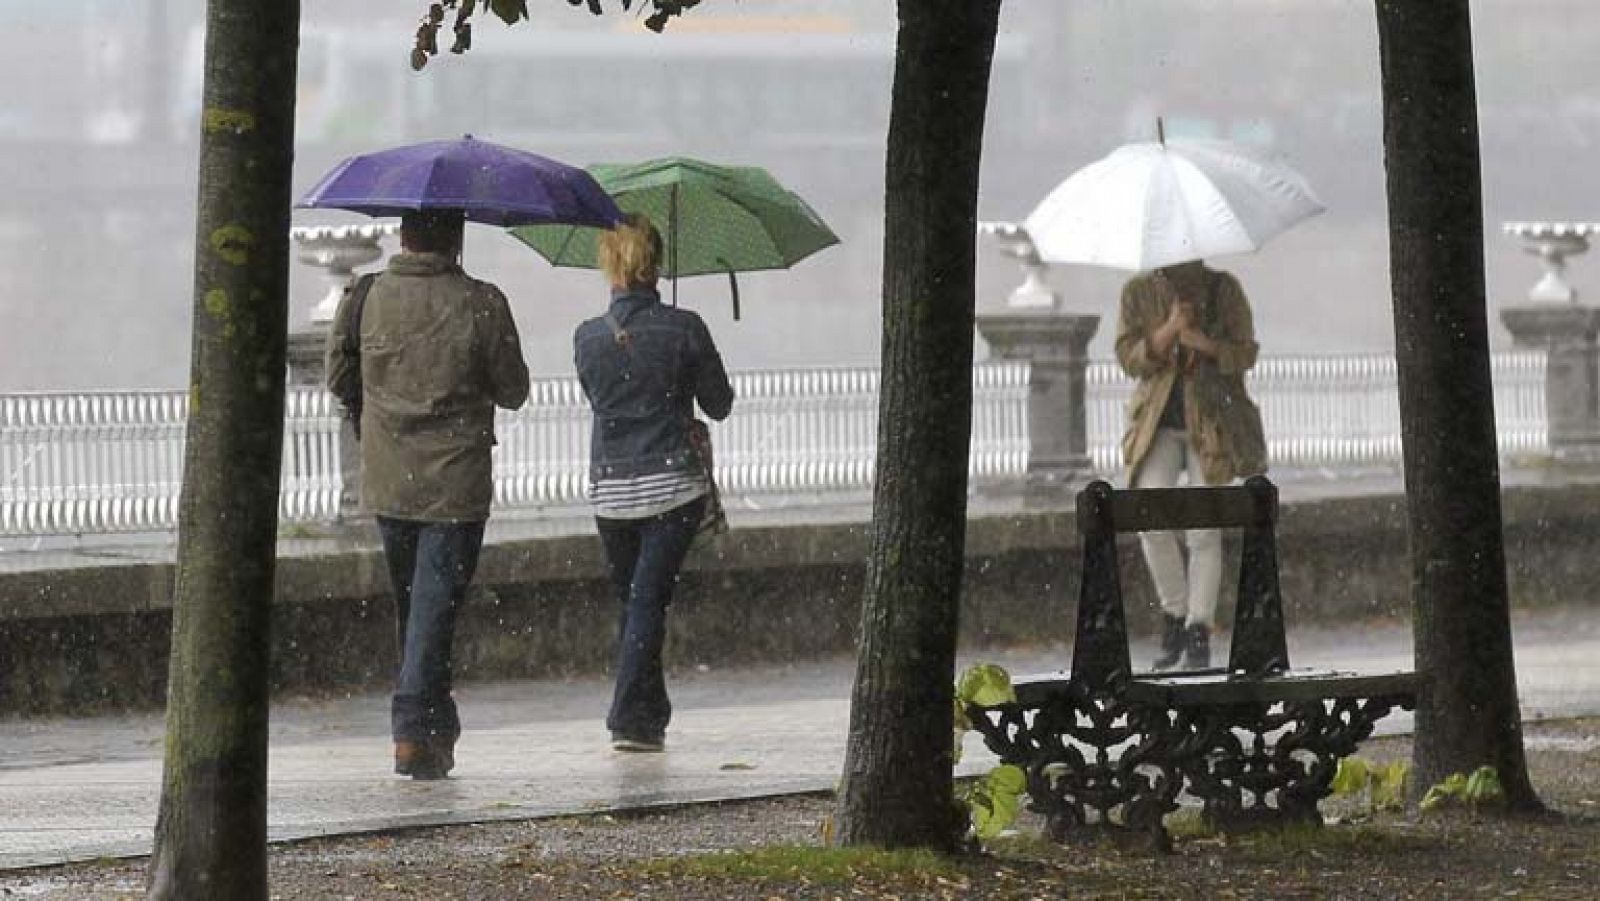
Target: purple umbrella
[{"x": 493, "y": 184}]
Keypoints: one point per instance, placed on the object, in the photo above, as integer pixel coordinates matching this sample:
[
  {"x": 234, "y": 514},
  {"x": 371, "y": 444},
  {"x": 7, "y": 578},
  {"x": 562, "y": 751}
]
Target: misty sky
[{"x": 100, "y": 140}]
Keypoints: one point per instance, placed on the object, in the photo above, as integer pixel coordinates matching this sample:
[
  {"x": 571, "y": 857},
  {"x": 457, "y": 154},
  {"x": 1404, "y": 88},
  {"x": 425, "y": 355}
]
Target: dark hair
[{"x": 432, "y": 231}]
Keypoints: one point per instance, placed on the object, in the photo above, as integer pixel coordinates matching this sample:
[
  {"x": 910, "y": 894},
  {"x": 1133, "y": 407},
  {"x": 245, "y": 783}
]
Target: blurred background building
[{"x": 98, "y": 138}]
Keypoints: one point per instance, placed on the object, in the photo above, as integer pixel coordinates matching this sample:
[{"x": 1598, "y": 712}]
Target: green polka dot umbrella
[{"x": 712, "y": 218}]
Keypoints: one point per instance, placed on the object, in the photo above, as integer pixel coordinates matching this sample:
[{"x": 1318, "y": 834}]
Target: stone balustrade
[{"x": 1556, "y": 323}]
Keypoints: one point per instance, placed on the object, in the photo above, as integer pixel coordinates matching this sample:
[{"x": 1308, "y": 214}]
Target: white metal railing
[
  {"x": 100, "y": 463},
  {"x": 89, "y": 462},
  {"x": 1336, "y": 413},
  {"x": 794, "y": 432},
  {"x": 112, "y": 462},
  {"x": 1344, "y": 412}
]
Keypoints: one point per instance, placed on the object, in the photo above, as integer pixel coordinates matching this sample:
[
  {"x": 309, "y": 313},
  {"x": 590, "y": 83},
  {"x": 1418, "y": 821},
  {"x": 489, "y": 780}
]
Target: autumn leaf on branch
[{"x": 511, "y": 12}]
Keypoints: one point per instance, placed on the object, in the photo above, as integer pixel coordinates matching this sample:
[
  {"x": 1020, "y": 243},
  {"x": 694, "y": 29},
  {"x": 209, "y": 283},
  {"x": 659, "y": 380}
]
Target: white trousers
[{"x": 1191, "y": 597}]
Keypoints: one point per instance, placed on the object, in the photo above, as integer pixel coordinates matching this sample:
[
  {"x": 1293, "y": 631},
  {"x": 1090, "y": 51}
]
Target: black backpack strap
[
  {"x": 358, "y": 302},
  {"x": 351, "y": 348}
]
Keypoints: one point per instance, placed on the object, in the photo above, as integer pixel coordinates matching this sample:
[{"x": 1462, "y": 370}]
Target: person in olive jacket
[
  {"x": 643, "y": 366},
  {"x": 1185, "y": 333},
  {"x": 426, "y": 353}
]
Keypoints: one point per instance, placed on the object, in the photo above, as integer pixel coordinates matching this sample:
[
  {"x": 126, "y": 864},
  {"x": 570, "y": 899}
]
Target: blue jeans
[
  {"x": 430, "y": 567},
  {"x": 643, "y": 557}
]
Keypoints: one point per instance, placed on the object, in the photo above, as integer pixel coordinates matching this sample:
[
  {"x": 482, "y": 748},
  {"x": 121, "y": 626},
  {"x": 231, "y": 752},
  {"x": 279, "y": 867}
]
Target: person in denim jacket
[{"x": 643, "y": 367}]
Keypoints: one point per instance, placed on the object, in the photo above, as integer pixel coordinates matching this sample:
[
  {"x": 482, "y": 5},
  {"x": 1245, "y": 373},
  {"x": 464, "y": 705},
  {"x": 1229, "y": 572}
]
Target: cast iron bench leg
[
  {"x": 1095, "y": 766},
  {"x": 1257, "y": 765}
]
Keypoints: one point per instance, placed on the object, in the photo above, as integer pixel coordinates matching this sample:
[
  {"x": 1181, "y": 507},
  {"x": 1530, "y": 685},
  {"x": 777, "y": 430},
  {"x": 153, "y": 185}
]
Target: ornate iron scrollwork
[
  {"x": 1092, "y": 761},
  {"x": 1256, "y": 743},
  {"x": 1254, "y": 765}
]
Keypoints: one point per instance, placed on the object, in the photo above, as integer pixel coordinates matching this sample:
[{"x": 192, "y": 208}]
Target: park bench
[{"x": 1257, "y": 741}]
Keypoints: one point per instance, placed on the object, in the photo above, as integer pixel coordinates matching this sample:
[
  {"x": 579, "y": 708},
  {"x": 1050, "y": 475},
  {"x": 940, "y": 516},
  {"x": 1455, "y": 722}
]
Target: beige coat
[
  {"x": 1223, "y": 423},
  {"x": 439, "y": 351}
]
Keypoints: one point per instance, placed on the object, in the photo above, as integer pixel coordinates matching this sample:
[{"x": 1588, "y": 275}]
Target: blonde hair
[{"x": 630, "y": 253}]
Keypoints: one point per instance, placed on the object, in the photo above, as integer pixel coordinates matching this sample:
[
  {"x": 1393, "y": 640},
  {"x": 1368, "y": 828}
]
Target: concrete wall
[{"x": 96, "y": 637}]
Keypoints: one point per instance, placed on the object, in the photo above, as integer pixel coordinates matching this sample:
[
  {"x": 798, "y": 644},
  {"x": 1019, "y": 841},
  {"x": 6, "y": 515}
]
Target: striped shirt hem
[{"x": 645, "y": 496}]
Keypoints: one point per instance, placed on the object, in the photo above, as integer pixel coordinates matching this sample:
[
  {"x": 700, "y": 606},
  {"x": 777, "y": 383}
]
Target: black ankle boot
[
  {"x": 1197, "y": 647},
  {"x": 1171, "y": 642}
]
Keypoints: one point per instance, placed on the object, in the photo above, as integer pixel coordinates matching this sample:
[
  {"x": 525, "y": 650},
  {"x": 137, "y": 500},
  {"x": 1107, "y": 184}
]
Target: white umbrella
[{"x": 1155, "y": 204}]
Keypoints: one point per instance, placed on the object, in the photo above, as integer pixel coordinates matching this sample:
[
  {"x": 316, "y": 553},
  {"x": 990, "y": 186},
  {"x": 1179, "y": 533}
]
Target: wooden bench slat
[
  {"x": 1160, "y": 509},
  {"x": 1293, "y": 685},
  {"x": 1213, "y": 687}
]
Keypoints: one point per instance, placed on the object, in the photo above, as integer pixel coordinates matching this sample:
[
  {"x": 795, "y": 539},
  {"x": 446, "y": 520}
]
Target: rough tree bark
[
  {"x": 1469, "y": 717},
  {"x": 896, "y": 790},
  {"x": 211, "y": 830}
]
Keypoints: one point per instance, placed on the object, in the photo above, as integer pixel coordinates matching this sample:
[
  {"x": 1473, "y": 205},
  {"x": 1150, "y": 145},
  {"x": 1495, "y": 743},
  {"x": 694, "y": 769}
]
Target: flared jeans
[{"x": 643, "y": 557}]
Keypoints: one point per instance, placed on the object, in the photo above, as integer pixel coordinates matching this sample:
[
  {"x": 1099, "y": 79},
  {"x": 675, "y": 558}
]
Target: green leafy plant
[
  {"x": 983, "y": 685},
  {"x": 993, "y": 801},
  {"x": 1383, "y": 785},
  {"x": 986, "y": 685},
  {"x": 1481, "y": 789}
]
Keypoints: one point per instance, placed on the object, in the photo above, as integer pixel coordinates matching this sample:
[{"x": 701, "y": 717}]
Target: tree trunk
[
  {"x": 1469, "y": 716},
  {"x": 211, "y": 830},
  {"x": 896, "y": 790}
]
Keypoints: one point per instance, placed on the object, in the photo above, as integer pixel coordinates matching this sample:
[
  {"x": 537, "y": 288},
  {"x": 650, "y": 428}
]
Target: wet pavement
[{"x": 73, "y": 789}]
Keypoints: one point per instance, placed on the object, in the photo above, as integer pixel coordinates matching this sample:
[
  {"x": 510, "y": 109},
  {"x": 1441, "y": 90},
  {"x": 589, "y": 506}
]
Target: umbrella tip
[{"x": 1161, "y": 131}]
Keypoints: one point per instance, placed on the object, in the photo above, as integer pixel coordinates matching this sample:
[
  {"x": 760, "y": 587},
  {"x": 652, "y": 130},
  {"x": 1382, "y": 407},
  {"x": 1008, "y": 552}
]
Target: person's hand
[
  {"x": 1180, "y": 317},
  {"x": 1165, "y": 337},
  {"x": 1197, "y": 341}
]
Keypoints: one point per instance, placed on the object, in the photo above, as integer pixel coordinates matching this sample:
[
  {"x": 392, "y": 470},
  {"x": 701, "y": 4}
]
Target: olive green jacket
[
  {"x": 439, "y": 351},
  {"x": 1224, "y": 425}
]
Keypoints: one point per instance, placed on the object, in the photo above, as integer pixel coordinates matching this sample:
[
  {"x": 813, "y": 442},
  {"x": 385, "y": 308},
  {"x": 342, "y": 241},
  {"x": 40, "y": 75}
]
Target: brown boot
[
  {"x": 422, "y": 760},
  {"x": 444, "y": 753},
  {"x": 408, "y": 755}
]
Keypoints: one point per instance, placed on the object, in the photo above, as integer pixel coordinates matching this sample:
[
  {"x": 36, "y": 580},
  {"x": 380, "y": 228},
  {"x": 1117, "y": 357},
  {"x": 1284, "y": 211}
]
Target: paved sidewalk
[{"x": 86, "y": 788}]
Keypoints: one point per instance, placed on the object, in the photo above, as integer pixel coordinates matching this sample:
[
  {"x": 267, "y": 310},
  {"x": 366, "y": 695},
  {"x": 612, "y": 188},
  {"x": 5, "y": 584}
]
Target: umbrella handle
[{"x": 733, "y": 285}]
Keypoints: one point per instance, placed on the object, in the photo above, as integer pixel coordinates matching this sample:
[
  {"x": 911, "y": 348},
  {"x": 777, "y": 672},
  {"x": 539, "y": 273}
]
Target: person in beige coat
[
  {"x": 425, "y": 353},
  {"x": 1185, "y": 333}
]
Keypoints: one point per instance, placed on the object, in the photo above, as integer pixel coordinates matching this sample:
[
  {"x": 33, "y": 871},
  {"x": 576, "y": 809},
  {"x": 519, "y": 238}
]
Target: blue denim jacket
[{"x": 643, "y": 392}]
